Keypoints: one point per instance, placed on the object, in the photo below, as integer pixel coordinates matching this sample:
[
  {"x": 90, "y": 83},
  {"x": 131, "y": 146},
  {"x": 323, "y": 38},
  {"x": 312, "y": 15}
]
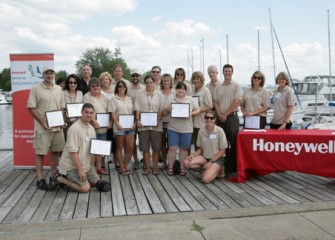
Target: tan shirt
[
  {"x": 213, "y": 143},
  {"x": 211, "y": 86},
  {"x": 132, "y": 91},
  {"x": 120, "y": 106},
  {"x": 149, "y": 103},
  {"x": 100, "y": 105},
  {"x": 254, "y": 100},
  {"x": 166, "y": 118},
  {"x": 78, "y": 140},
  {"x": 282, "y": 100},
  {"x": 78, "y": 98},
  {"x": 225, "y": 94},
  {"x": 181, "y": 125},
  {"x": 189, "y": 88},
  {"x": 45, "y": 99},
  {"x": 205, "y": 99}
]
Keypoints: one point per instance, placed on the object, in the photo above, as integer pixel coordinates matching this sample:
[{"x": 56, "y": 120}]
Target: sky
[{"x": 192, "y": 34}]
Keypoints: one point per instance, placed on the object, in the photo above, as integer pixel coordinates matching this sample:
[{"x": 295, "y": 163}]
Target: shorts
[
  {"x": 220, "y": 161},
  {"x": 148, "y": 136},
  {"x": 53, "y": 141},
  {"x": 124, "y": 133},
  {"x": 73, "y": 176},
  {"x": 182, "y": 140},
  {"x": 102, "y": 136}
]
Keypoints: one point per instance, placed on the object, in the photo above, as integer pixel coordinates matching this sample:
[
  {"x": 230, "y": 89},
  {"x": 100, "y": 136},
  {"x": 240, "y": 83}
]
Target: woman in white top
[
  {"x": 120, "y": 103},
  {"x": 106, "y": 81},
  {"x": 283, "y": 99},
  {"x": 256, "y": 100}
]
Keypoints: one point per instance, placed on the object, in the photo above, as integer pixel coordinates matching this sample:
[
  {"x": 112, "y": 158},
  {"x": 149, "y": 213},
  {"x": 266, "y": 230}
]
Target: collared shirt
[
  {"x": 282, "y": 99},
  {"x": 78, "y": 140},
  {"x": 44, "y": 99},
  {"x": 133, "y": 91},
  {"x": 211, "y": 86},
  {"x": 213, "y": 143},
  {"x": 166, "y": 118},
  {"x": 204, "y": 98},
  {"x": 254, "y": 100},
  {"x": 225, "y": 94}
]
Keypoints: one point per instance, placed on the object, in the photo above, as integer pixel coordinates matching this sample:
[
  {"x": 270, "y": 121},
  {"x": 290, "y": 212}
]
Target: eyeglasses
[
  {"x": 155, "y": 71},
  {"x": 183, "y": 89},
  {"x": 179, "y": 74},
  {"x": 257, "y": 78},
  {"x": 209, "y": 118},
  {"x": 75, "y": 83},
  {"x": 149, "y": 82},
  {"x": 95, "y": 85},
  {"x": 121, "y": 86},
  {"x": 135, "y": 75}
]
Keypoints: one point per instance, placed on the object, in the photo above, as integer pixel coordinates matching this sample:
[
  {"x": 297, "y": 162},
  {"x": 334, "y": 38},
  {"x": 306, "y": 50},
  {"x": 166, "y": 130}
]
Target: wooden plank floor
[{"x": 21, "y": 202}]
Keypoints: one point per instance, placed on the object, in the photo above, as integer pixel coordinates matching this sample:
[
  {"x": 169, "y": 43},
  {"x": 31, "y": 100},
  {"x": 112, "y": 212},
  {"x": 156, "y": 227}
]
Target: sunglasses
[
  {"x": 149, "y": 82},
  {"x": 135, "y": 75},
  {"x": 75, "y": 83},
  {"x": 209, "y": 118},
  {"x": 95, "y": 86},
  {"x": 179, "y": 74},
  {"x": 155, "y": 71},
  {"x": 257, "y": 78},
  {"x": 121, "y": 86}
]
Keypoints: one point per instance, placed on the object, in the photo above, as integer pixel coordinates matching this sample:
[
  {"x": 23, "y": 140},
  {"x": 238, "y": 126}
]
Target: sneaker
[
  {"x": 42, "y": 184},
  {"x": 136, "y": 165},
  {"x": 53, "y": 182},
  {"x": 102, "y": 171},
  {"x": 103, "y": 186}
]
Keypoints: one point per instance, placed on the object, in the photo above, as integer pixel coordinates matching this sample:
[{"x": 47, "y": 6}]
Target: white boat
[
  {"x": 8, "y": 97},
  {"x": 2, "y": 98}
]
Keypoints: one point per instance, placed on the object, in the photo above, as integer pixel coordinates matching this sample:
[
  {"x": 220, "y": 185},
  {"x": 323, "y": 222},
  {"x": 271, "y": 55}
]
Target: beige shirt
[
  {"x": 78, "y": 98},
  {"x": 213, "y": 143},
  {"x": 254, "y": 100},
  {"x": 78, "y": 140},
  {"x": 114, "y": 82},
  {"x": 166, "y": 118},
  {"x": 149, "y": 103},
  {"x": 225, "y": 94},
  {"x": 100, "y": 105},
  {"x": 181, "y": 125},
  {"x": 188, "y": 90},
  {"x": 132, "y": 91},
  {"x": 45, "y": 99},
  {"x": 211, "y": 86},
  {"x": 204, "y": 97},
  {"x": 282, "y": 100},
  {"x": 120, "y": 106}
]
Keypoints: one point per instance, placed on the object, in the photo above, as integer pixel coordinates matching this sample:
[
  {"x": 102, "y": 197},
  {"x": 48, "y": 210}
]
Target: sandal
[
  {"x": 146, "y": 172},
  {"x": 182, "y": 172},
  {"x": 155, "y": 172},
  {"x": 170, "y": 172}
]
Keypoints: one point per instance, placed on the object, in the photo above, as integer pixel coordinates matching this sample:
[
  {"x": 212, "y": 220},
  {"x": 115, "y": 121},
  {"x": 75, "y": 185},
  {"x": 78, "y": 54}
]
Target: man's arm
[{"x": 36, "y": 116}]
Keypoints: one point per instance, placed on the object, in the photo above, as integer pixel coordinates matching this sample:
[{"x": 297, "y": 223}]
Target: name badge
[
  {"x": 87, "y": 138},
  {"x": 212, "y": 136}
]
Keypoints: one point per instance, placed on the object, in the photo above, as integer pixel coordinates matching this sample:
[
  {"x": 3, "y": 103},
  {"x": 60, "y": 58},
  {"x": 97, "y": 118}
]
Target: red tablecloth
[{"x": 306, "y": 151}]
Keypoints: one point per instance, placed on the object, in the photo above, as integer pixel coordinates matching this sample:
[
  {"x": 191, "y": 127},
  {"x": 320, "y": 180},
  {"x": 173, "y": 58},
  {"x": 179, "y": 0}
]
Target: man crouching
[{"x": 75, "y": 170}]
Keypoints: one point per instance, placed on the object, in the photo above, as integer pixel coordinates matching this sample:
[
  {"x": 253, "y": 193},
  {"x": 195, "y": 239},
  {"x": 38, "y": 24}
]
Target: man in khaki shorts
[
  {"x": 75, "y": 169},
  {"x": 46, "y": 96}
]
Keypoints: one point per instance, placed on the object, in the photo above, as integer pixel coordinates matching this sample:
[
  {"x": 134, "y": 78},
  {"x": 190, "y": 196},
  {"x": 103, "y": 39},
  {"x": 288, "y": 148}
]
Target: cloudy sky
[{"x": 168, "y": 33}]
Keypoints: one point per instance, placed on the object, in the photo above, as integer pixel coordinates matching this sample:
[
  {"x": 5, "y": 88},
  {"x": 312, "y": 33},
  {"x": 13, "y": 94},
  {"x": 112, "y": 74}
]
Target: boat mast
[{"x": 273, "y": 50}]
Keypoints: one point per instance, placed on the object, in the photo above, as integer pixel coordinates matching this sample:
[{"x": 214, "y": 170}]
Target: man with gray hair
[{"x": 213, "y": 75}]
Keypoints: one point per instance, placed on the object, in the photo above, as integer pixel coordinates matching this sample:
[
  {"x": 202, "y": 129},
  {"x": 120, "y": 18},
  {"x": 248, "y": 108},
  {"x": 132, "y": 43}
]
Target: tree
[
  {"x": 101, "y": 60},
  {"x": 5, "y": 82}
]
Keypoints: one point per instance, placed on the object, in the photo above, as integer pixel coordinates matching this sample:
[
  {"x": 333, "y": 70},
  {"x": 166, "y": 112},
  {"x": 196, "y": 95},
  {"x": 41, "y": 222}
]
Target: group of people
[{"x": 211, "y": 123}]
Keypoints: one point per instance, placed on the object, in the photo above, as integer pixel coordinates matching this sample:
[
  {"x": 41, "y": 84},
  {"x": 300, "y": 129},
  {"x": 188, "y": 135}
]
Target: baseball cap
[
  {"x": 48, "y": 69},
  {"x": 133, "y": 71}
]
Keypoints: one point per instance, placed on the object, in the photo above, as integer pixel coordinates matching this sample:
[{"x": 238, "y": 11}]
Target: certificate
[
  {"x": 55, "y": 118},
  {"x": 103, "y": 119},
  {"x": 180, "y": 110},
  {"x": 100, "y": 147},
  {"x": 197, "y": 101},
  {"x": 126, "y": 120},
  {"x": 149, "y": 119},
  {"x": 74, "y": 109},
  {"x": 252, "y": 122}
]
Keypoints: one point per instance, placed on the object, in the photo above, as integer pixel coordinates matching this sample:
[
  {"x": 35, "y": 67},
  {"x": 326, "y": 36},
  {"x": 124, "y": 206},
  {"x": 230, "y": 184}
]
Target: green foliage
[
  {"x": 5, "y": 83},
  {"x": 61, "y": 73},
  {"x": 101, "y": 60}
]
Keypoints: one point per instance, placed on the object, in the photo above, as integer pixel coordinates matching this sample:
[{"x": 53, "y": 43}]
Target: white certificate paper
[
  {"x": 103, "y": 119},
  {"x": 74, "y": 109},
  {"x": 180, "y": 110},
  {"x": 55, "y": 118},
  {"x": 149, "y": 119},
  {"x": 197, "y": 101},
  {"x": 126, "y": 120},
  {"x": 252, "y": 122},
  {"x": 100, "y": 147}
]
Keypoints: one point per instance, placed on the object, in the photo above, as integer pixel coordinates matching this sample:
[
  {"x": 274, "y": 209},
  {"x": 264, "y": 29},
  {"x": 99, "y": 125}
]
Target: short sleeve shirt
[
  {"x": 45, "y": 99},
  {"x": 132, "y": 91},
  {"x": 254, "y": 100},
  {"x": 204, "y": 97},
  {"x": 120, "y": 106},
  {"x": 213, "y": 143},
  {"x": 78, "y": 140},
  {"x": 282, "y": 100},
  {"x": 225, "y": 94}
]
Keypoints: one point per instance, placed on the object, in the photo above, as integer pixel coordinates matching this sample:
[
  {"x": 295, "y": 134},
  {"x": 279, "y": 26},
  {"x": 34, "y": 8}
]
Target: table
[{"x": 269, "y": 150}]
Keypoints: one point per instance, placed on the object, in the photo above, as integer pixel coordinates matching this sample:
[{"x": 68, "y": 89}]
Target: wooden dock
[{"x": 22, "y": 202}]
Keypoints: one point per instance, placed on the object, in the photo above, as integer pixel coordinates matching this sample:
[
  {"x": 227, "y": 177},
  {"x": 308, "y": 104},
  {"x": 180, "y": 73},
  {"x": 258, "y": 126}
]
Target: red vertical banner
[{"x": 26, "y": 71}]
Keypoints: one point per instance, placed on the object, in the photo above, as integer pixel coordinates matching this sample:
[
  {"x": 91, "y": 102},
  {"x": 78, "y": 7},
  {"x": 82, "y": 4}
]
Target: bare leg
[
  {"x": 129, "y": 149},
  {"x": 211, "y": 172},
  {"x": 172, "y": 156},
  {"x": 182, "y": 155},
  {"x": 118, "y": 154},
  {"x": 146, "y": 157},
  {"x": 74, "y": 186},
  {"x": 53, "y": 162},
  {"x": 39, "y": 166},
  {"x": 155, "y": 158}
]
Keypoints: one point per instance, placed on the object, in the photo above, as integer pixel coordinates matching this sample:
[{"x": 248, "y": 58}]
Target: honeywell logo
[{"x": 293, "y": 147}]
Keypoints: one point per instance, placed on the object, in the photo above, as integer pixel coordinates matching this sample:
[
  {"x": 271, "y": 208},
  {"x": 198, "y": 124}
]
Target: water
[{"x": 6, "y": 127}]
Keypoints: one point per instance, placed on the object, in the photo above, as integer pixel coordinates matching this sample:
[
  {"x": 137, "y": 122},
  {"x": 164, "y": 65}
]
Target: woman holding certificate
[
  {"x": 101, "y": 120},
  {"x": 255, "y": 102},
  {"x": 148, "y": 106},
  {"x": 122, "y": 112},
  {"x": 210, "y": 155},
  {"x": 72, "y": 95},
  {"x": 203, "y": 98},
  {"x": 180, "y": 128}
]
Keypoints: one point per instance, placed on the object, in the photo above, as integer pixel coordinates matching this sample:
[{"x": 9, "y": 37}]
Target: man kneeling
[{"x": 75, "y": 169}]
